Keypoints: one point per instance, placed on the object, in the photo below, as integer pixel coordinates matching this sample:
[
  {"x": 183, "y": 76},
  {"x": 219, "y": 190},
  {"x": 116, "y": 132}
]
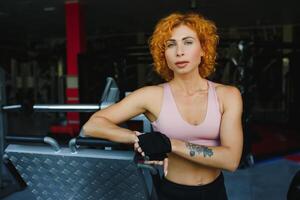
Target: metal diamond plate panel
[{"x": 53, "y": 177}]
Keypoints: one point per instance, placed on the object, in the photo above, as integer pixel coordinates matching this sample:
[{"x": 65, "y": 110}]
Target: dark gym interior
[{"x": 56, "y": 52}]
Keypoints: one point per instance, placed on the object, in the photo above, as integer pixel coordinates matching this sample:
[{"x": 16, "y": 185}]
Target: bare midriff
[{"x": 185, "y": 172}]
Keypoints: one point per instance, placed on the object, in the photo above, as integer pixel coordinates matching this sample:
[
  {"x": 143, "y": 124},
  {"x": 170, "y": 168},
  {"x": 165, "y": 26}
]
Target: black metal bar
[
  {"x": 33, "y": 139},
  {"x": 96, "y": 142}
]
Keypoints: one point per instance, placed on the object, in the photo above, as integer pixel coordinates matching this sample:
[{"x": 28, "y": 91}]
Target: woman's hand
[
  {"x": 136, "y": 144},
  {"x": 151, "y": 162}
]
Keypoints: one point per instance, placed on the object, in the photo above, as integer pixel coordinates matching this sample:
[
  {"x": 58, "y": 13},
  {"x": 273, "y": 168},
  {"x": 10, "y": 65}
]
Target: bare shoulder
[
  {"x": 140, "y": 101},
  {"x": 227, "y": 90},
  {"x": 151, "y": 96},
  {"x": 148, "y": 91},
  {"x": 147, "y": 94},
  {"x": 228, "y": 95}
]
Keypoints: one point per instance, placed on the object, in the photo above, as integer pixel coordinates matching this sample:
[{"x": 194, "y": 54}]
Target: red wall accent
[
  {"x": 75, "y": 44},
  {"x": 75, "y": 35}
]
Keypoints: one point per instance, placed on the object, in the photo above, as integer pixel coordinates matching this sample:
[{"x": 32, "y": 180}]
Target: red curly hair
[{"x": 205, "y": 30}]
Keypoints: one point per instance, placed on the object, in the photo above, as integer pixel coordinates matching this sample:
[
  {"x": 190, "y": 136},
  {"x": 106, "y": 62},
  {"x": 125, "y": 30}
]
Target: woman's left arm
[{"x": 226, "y": 156}]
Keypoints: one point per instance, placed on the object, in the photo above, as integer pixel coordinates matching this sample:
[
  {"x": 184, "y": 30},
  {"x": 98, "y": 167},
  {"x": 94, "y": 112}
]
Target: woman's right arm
[{"x": 104, "y": 123}]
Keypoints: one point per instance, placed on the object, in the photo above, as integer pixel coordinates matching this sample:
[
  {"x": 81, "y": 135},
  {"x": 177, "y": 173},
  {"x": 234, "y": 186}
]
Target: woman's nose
[{"x": 179, "y": 51}]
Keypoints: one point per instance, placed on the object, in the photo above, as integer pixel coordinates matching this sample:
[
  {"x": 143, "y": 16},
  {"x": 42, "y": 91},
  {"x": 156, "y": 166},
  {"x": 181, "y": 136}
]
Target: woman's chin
[{"x": 183, "y": 72}]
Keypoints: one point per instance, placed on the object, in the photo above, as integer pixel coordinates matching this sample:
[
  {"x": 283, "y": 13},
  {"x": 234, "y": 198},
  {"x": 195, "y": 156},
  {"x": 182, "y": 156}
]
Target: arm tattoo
[{"x": 198, "y": 149}]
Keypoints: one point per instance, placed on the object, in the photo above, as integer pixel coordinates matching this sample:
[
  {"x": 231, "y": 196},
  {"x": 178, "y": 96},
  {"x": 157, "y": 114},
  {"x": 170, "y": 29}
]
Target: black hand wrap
[{"x": 155, "y": 145}]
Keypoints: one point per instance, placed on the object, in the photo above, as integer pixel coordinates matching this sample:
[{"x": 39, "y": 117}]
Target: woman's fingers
[
  {"x": 137, "y": 133},
  {"x": 154, "y": 162},
  {"x": 165, "y": 163},
  {"x": 138, "y": 149},
  {"x": 136, "y": 146},
  {"x": 149, "y": 162}
]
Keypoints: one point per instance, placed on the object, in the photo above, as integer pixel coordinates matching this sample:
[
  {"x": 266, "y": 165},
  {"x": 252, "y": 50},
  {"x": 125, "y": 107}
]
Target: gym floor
[{"x": 266, "y": 180}]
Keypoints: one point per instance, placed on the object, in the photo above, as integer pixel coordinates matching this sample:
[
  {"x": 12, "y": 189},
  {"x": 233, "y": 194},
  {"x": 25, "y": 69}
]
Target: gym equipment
[
  {"x": 53, "y": 172},
  {"x": 82, "y": 170}
]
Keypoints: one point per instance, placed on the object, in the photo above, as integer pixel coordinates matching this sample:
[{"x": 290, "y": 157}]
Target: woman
[{"x": 197, "y": 122}]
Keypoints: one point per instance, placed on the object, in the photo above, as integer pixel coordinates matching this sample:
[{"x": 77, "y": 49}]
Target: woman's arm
[
  {"x": 103, "y": 124},
  {"x": 227, "y": 155}
]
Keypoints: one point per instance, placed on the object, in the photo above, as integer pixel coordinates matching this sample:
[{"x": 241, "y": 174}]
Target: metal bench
[{"x": 55, "y": 173}]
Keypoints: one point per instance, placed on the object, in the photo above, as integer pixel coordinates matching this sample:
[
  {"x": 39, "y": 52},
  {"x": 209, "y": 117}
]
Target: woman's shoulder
[
  {"x": 227, "y": 94},
  {"x": 153, "y": 88},
  {"x": 150, "y": 91},
  {"x": 226, "y": 90},
  {"x": 150, "y": 96}
]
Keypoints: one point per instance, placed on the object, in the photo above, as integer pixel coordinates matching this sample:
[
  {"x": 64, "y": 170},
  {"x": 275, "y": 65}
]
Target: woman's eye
[
  {"x": 170, "y": 45},
  {"x": 188, "y": 42}
]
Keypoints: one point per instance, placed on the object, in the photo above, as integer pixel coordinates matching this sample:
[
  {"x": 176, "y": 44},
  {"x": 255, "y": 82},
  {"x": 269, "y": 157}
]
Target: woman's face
[{"x": 183, "y": 50}]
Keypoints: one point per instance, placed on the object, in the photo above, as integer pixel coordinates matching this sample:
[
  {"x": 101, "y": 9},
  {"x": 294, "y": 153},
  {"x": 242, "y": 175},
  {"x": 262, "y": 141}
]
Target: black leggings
[{"x": 215, "y": 190}]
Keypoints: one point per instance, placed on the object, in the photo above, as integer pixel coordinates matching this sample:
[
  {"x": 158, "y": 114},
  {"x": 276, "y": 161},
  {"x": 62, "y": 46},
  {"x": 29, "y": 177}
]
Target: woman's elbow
[
  {"x": 91, "y": 127},
  {"x": 232, "y": 166},
  {"x": 87, "y": 132}
]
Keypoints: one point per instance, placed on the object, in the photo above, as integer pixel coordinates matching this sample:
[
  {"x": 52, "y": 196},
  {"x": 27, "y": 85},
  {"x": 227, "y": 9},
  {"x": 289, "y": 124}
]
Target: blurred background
[{"x": 60, "y": 51}]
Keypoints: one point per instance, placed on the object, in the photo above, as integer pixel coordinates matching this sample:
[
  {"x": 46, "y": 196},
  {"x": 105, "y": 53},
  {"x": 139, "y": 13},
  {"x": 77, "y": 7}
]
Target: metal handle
[
  {"x": 34, "y": 139},
  {"x": 72, "y": 145},
  {"x": 52, "y": 142}
]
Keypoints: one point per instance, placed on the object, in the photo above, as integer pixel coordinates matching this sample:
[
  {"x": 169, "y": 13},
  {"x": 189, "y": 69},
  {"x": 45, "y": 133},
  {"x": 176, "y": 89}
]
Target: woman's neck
[{"x": 189, "y": 85}]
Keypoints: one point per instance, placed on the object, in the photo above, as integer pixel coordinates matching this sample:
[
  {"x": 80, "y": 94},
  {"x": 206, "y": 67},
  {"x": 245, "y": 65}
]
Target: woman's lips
[{"x": 181, "y": 63}]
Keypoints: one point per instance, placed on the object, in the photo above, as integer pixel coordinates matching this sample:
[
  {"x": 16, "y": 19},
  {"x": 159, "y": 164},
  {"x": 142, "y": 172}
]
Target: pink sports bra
[{"x": 170, "y": 122}]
